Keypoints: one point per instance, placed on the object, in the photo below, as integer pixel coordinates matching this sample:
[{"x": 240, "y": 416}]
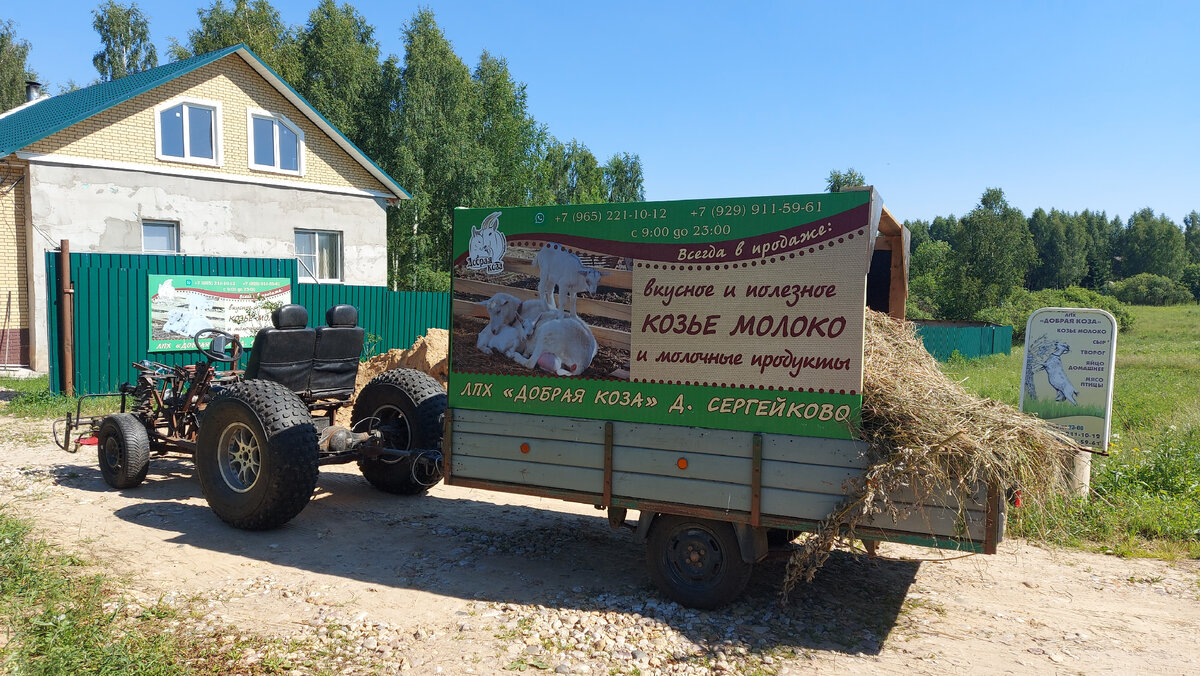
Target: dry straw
[{"x": 931, "y": 442}]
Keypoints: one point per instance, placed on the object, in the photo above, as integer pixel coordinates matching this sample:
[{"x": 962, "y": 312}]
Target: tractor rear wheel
[{"x": 407, "y": 407}]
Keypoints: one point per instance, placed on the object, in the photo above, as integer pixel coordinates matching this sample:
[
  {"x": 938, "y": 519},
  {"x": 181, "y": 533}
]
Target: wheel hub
[
  {"x": 695, "y": 556},
  {"x": 112, "y": 453},
  {"x": 239, "y": 457}
]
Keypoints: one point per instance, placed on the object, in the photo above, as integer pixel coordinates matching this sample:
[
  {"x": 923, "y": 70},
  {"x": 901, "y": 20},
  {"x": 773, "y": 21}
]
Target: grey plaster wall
[{"x": 101, "y": 210}]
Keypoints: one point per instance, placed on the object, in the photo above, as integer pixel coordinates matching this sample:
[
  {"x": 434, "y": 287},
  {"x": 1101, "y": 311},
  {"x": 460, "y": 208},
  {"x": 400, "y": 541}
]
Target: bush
[
  {"x": 1015, "y": 310},
  {"x": 1149, "y": 289},
  {"x": 1191, "y": 279}
]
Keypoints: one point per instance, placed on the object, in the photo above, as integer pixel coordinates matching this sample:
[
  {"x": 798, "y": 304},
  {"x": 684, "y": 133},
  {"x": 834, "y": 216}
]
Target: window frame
[
  {"x": 277, "y": 119},
  {"x": 173, "y": 225},
  {"x": 302, "y": 270},
  {"x": 218, "y": 137}
]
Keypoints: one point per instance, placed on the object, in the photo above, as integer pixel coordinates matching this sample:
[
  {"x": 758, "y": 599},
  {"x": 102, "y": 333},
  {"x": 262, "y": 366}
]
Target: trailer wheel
[
  {"x": 696, "y": 562},
  {"x": 124, "y": 450},
  {"x": 256, "y": 455},
  {"x": 407, "y": 406}
]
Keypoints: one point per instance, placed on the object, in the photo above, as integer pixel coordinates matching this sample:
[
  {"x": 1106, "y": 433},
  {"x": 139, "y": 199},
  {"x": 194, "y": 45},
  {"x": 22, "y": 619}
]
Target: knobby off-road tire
[
  {"x": 696, "y": 562},
  {"x": 123, "y": 449},
  {"x": 408, "y": 406},
  {"x": 256, "y": 455}
]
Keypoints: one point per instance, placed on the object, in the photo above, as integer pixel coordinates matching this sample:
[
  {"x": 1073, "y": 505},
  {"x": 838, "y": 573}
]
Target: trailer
[{"x": 699, "y": 362}]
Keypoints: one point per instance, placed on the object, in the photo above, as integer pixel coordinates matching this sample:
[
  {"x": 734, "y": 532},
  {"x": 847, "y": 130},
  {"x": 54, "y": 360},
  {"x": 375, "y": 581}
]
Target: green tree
[
  {"x": 926, "y": 272},
  {"x": 125, "y": 35},
  {"x": 839, "y": 180},
  {"x": 1102, "y": 235},
  {"x": 918, "y": 232},
  {"x": 1062, "y": 246},
  {"x": 942, "y": 228},
  {"x": 255, "y": 24},
  {"x": 339, "y": 65},
  {"x": 1191, "y": 237},
  {"x": 1152, "y": 244},
  {"x": 441, "y": 162},
  {"x": 572, "y": 174},
  {"x": 623, "y": 179},
  {"x": 1191, "y": 279},
  {"x": 14, "y": 70},
  {"x": 990, "y": 251},
  {"x": 514, "y": 140}
]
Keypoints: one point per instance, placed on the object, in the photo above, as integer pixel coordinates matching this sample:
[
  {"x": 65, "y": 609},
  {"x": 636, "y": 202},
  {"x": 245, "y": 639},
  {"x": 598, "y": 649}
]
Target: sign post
[{"x": 1068, "y": 377}]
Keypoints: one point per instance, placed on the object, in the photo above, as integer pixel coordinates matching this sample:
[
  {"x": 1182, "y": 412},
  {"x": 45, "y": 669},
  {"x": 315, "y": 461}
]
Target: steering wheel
[{"x": 218, "y": 346}]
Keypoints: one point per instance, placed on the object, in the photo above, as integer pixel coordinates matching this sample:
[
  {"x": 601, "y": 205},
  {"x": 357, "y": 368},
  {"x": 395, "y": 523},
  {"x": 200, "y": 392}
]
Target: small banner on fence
[
  {"x": 1068, "y": 375},
  {"x": 183, "y": 305},
  {"x": 742, "y": 314}
]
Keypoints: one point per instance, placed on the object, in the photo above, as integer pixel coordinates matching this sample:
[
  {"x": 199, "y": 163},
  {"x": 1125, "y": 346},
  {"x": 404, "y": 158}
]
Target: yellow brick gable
[{"x": 125, "y": 133}]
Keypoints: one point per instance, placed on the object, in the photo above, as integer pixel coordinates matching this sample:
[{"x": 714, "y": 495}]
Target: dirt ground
[{"x": 468, "y": 581}]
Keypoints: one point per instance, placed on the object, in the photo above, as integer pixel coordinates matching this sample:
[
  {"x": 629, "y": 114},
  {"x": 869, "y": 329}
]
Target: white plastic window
[
  {"x": 319, "y": 256},
  {"x": 275, "y": 143},
  {"x": 188, "y": 131}
]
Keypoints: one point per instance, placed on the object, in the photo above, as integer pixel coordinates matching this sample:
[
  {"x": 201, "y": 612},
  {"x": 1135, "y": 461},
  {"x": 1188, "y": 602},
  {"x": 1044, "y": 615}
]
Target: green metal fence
[
  {"x": 969, "y": 339},
  {"x": 111, "y": 304}
]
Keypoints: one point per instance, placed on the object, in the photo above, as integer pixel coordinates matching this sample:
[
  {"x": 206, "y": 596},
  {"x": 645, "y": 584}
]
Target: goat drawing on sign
[{"x": 1046, "y": 355}]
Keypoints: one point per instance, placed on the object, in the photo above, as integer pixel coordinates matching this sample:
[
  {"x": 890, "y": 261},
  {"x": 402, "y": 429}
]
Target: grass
[
  {"x": 61, "y": 617},
  {"x": 1145, "y": 498},
  {"x": 33, "y": 399}
]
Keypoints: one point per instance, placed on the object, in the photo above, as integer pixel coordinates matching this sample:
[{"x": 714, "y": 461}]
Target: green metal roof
[{"x": 28, "y": 124}]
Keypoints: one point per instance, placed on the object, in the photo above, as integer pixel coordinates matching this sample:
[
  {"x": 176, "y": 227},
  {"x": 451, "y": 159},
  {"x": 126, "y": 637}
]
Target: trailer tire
[
  {"x": 123, "y": 449},
  {"x": 696, "y": 562},
  {"x": 256, "y": 455},
  {"x": 409, "y": 406}
]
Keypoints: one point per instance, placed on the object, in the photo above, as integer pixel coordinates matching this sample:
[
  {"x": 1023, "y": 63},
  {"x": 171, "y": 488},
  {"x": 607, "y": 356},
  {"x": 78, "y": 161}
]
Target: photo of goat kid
[{"x": 544, "y": 332}]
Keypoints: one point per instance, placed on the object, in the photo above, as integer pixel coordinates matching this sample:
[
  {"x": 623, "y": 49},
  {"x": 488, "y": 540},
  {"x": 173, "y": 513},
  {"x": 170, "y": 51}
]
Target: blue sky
[{"x": 1071, "y": 105}]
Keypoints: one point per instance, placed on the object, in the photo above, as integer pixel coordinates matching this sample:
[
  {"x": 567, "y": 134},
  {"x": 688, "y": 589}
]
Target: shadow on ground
[{"x": 447, "y": 541}]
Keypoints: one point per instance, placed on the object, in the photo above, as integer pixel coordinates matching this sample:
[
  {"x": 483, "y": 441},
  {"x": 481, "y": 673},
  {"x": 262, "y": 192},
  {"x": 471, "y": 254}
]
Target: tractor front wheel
[
  {"x": 257, "y": 454},
  {"x": 124, "y": 450}
]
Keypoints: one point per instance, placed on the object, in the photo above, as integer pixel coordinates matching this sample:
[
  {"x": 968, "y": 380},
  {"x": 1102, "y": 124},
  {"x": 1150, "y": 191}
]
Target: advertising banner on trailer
[{"x": 740, "y": 314}]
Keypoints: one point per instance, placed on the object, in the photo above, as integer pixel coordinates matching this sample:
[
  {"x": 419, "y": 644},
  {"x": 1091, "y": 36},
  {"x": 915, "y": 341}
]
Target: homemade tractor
[{"x": 260, "y": 437}]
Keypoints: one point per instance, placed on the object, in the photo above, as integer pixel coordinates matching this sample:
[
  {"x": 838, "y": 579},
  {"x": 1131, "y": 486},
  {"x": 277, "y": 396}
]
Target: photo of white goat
[
  {"x": 563, "y": 346},
  {"x": 561, "y": 269},
  {"x": 531, "y": 334},
  {"x": 1053, "y": 367},
  {"x": 504, "y": 332}
]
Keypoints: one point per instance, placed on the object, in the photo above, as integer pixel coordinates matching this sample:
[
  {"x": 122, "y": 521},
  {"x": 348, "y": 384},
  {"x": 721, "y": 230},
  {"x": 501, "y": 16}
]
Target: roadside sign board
[
  {"x": 742, "y": 313},
  {"x": 1070, "y": 354},
  {"x": 182, "y": 305}
]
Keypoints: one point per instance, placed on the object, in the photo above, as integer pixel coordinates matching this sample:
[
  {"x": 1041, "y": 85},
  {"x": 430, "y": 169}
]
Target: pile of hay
[{"x": 930, "y": 437}]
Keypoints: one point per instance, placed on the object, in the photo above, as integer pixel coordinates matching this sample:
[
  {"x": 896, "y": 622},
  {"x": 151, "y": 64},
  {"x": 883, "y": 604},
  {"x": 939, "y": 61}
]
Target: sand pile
[
  {"x": 931, "y": 438},
  {"x": 429, "y": 353}
]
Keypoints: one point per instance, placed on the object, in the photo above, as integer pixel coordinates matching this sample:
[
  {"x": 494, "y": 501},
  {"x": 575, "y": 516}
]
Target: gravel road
[{"x": 466, "y": 581}]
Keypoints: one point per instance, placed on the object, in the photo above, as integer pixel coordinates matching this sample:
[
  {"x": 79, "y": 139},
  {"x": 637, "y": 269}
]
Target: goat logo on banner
[{"x": 486, "y": 249}]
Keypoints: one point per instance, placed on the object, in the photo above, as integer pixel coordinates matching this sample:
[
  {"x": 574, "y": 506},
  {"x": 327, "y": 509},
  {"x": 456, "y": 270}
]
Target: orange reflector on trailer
[
  {"x": 88, "y": 441},
  {"x": 681, "y": 463},
  {"x": 524, "y": 448}
]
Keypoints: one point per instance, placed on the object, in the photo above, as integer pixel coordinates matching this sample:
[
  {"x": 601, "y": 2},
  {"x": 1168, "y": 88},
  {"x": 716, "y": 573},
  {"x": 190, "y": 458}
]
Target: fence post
[{"x": 66, "y": 328}]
